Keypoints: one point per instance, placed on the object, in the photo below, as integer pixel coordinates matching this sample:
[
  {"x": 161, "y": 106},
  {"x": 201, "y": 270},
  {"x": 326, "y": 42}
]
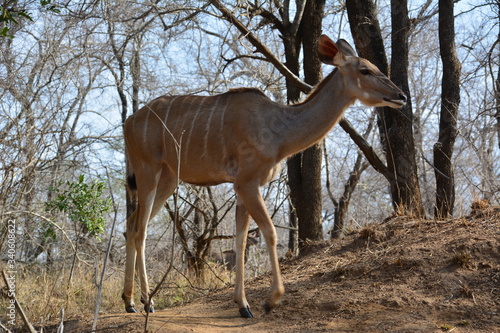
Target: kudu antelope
[
  {"x": 238, "y": 137},
  {"x": 227, "y": 258}
]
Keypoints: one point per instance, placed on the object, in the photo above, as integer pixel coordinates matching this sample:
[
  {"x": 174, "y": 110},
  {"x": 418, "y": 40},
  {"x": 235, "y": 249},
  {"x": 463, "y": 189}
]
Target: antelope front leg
[
  {"x": 277, "y": 287},
  {"x": 242, "y": 224},
  {"x": 252, "y": 199}
]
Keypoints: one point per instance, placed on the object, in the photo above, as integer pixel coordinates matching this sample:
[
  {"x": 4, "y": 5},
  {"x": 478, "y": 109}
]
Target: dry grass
[
  {"x": 462, "y": 259},
  {"x": 43, "y": 291},
  {"x": 181, "y": 287}
]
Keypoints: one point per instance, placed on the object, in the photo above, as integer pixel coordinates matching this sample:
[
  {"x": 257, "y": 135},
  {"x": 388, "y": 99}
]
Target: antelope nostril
[{"x": 402, "y": 97}]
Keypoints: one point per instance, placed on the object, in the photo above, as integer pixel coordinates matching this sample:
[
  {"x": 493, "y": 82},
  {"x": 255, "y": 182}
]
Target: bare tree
[
  {"x": 342, "y": 204},
  {"x": 450, "y": 100},
  {"x": 306, "y": 171},
  {"x": 400, "y": 149},
  {"x": 197, "y": 225},
  {"x": 395, "y": 128},
  {"x": 46, "y": 92}
]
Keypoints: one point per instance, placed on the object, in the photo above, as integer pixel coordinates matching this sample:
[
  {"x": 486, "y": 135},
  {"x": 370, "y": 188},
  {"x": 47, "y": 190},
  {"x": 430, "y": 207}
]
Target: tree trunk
[
  {"x": 343, "y": 204},
  {"x": 450, "y": 100},
  {"x": 396, "y": 131},
  {"x": 365, "y": 30},
  {"x": 497, "y": 84},
  {"x": 310, "y": 218},
  {"x": 294, "y": 163},
  {"x": 497, "y": 98},
  {"x": 304, "y": 169},
  {"x": 405, "y": 189}
]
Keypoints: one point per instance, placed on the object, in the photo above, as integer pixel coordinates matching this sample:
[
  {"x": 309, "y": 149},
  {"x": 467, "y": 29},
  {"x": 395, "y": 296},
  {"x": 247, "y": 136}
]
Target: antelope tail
[{"x": 131, "y": 181}]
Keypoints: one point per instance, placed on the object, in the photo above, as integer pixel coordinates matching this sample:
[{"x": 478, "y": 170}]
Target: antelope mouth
[{"x": 395, "y": 103}]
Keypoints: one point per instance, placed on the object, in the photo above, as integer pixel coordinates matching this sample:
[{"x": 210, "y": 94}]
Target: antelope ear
[
  {"x": 329, "y": 53},
  {"x": 346, "y": 48}
]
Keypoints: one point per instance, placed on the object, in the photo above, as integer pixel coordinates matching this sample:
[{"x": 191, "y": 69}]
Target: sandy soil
[{"x": 402, "y": 275}]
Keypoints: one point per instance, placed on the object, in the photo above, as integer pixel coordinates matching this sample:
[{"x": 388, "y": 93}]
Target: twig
[
  {"x": 60, "y": 329},
  {"x": 5, "y": 329},
  {"x": 261, "y": 47},
  {"x": 99, "y": 289},
  {"x": 18, "y": 307},
  {"x": 234, "y": 236},
  {"x": 285, "y": 227}
]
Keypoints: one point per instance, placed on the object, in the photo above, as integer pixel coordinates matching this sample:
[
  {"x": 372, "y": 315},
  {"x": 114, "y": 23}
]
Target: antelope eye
[{"x": 364, "y": 71}]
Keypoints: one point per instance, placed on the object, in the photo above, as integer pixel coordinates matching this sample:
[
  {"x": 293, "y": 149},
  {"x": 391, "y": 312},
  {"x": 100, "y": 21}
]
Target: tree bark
[
  {"x": 304, "y": 169},
  {"x": 450, "y": 100},
  {"x": 401, "y": 152},
  {"x": 395, "y": 127},
  {"x": 343, "y": 204},
  {"x": 497, "y": 98},
  {"x": 292, "y": 49},
  {"x": 497, "y": 84}
]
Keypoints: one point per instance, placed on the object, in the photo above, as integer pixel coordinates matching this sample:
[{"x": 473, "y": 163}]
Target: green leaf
[
  {"x": 5, "y": 32},
  {"x": 47, "y": 4},
  {"x": 25, "y": 15},
  {"x": 49, "y": 233},
  {"x": 83, "y": 204}
]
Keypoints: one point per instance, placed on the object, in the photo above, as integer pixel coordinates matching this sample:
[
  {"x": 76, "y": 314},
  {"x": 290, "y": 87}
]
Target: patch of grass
[
  {"x": 372, "y": 233},
  {"x": 446, "y": 327},
  {"x": 462, "y": 259},
  {"x": 181, "y": 287},
  {"x": 43, "y": 291},
  {"x": 479, "y": 205}
]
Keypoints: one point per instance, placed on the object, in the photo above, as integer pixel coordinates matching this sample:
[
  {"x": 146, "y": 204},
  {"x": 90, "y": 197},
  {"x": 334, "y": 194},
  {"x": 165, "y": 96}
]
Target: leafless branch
[{"x": 226, "y": 13}]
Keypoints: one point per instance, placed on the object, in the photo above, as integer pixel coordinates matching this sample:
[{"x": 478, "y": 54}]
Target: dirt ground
[{"x": 402, "y": 275}]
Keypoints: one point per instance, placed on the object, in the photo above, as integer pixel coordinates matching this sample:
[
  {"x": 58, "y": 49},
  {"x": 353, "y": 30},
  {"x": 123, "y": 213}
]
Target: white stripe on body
[
  {"x": 145, "y": 135},
  {"x": 188, "y": 142},
  {"x": 221, "y": 130},
  {"x": 166, "y": 129},
  {"x": 207, "y": 129},
  {"x": 184, "y": 116}
]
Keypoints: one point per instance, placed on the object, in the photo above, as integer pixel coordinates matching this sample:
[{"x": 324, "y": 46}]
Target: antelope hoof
[
  {"x": 268, "y": 307},
  {"x": 130, "y": 309},
  {"x": 151, "y": 308},
  {"x": 246, "y": 313}
]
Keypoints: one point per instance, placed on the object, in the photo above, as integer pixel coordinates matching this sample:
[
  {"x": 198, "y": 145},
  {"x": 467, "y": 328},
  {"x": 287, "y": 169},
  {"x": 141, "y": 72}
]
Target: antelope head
[{"x": 363, "y": 80}]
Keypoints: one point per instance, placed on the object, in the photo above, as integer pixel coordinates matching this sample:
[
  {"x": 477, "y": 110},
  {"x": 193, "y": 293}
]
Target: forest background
[{"x": 71, "y": 72}]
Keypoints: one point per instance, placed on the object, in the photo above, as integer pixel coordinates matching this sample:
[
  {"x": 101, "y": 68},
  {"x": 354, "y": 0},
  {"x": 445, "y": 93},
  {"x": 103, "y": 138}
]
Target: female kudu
[{"x": 238, "y": 137}]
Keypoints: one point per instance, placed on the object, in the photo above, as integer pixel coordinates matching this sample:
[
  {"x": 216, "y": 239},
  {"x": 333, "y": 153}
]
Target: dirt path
[
  {"x": 201, "y": 318},
  {"x": 399, "y": 276}
]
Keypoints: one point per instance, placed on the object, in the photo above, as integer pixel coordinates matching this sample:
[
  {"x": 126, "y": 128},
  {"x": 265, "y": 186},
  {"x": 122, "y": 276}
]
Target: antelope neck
[{"x": 309, "y": 122}]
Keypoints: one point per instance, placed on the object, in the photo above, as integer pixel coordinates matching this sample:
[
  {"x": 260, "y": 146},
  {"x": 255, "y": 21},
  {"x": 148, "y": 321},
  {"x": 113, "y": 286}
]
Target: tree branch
[
  {"x": 226, "y": 13},
  {"x": 367, "y": 150}
]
